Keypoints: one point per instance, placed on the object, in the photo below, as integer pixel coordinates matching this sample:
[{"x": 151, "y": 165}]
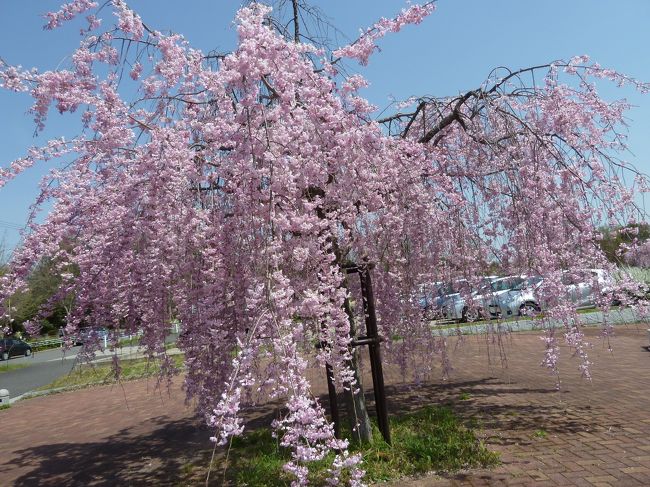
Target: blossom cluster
[
  {"x": 366, "y": 44},
  {"x": 68, "y": 11}
]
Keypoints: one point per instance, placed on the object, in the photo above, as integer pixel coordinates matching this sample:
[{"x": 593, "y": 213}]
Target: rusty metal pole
[{"x": 375, "y": 354}]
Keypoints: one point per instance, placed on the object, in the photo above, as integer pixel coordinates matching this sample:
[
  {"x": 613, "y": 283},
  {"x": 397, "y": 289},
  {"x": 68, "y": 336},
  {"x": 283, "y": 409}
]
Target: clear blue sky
[{"x": 453, "y": 50}]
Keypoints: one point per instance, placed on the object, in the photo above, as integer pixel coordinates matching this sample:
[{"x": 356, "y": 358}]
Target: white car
[
  {"x": 520, "y": 300},
  {"x": 497, "y": 288},
  {"x": 430, "y": 297},
  {"x": 582, "y": 287},
  {"x": 465, "y": 303}
]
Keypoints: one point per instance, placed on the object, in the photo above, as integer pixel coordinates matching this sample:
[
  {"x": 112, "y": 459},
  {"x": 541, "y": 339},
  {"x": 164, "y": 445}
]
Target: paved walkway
[{"x": 587, "y": 434}]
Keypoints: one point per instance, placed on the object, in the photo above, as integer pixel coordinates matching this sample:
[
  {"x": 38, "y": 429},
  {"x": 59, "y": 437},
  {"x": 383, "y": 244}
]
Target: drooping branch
[{"x": 446, "y": 121}]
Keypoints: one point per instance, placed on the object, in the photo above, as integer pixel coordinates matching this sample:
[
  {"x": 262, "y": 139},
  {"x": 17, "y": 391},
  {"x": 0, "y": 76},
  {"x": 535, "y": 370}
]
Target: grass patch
[
  {"x": 493, "y": 321},
  {"x": 446, "y": 325},
  {"x": 540, "y": 434},
  {"x": 464, "y": 396},
  {"x": 7, "y": 367},
  {"x": 97, "y": 374},
  {"x": 432, "y": 439},
  {"x": 36, "y": 347},
  {"x": 134, "y": 341}
]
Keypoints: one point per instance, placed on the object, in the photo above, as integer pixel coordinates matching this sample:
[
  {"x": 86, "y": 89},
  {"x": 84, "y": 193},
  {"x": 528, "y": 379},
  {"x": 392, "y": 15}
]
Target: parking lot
[{"x": 584, "y": 434}]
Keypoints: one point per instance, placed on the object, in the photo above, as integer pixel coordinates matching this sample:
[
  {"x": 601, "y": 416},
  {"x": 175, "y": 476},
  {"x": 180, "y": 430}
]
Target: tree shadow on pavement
[
  {"x": 126, "y": 458},
  {"x": 178, "y": 452},
  {"x": 169, "y": 452},
  {"x": 494, "y": 405}
]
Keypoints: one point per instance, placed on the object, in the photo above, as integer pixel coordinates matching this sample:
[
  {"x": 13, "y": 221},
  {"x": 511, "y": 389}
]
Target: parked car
[
  {"x": 85, "y": 334},
  {"x": 453, "y": 300},
  {"x": 520, "y": 300},
  {"x": 583, "y": 289},
  {"x": 488, "y": 294},
  {"x": 429, "y": 299},
  {"x": 464, "y": 301},
  {"x": 13, "y": 347},
  {"x": 491, "y": 294}
]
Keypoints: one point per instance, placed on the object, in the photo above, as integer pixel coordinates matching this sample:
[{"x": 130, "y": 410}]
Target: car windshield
[
  {"x": 462, "y": 287},
  {"x": 506, "y": 284},
  {"x": 435, "y": 289},
  {"x": 531, "y": 281}
]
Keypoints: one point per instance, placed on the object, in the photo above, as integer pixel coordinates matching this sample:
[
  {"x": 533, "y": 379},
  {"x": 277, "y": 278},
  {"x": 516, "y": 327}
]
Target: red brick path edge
[{"x": 586, "y": 434}]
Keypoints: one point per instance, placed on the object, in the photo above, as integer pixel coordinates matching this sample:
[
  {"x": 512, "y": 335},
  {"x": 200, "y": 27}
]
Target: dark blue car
[{"x": 13, "y": 347}]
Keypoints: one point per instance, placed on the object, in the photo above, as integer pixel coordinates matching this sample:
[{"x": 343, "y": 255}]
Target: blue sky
[{"x": 452, "y": 51}]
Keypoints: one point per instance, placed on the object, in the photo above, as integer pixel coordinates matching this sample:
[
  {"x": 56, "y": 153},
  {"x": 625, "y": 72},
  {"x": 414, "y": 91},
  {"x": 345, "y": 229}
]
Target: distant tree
[
  {"x": 237, "y": 187},
  {"x": 39, "y": 301},
  {"x": 615, "y": 240}
]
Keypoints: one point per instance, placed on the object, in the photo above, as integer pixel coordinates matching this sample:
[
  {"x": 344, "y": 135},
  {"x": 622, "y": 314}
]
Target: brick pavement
[{"x": 587, "y": 434}]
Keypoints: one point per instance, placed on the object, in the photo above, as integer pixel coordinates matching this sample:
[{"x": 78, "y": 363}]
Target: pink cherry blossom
[
  {"x": 231, "y": 195},
  {"x": 67, "y": 12}
]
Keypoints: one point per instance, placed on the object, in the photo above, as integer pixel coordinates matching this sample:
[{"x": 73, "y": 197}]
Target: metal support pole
[
  {"x": 375, "y": 353},
  {"x": 334, "y": 407},
  {"x": 373, "y": 341}
]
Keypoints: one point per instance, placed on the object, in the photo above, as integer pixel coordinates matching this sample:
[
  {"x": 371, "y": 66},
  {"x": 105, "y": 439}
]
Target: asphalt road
[{"x": 42, "y": 368}]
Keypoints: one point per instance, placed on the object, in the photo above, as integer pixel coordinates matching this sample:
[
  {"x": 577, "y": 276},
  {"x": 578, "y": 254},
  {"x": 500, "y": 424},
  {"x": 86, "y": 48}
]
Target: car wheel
[
  {"x": 529, "y": 309},
  {"x": 5, "y": 355},
  {"x": 28, "y": 352},
  {"x": 471, "y": 315}
]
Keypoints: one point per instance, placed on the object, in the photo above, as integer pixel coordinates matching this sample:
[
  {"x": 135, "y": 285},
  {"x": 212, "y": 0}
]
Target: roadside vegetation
[
  {"x": 39, "y": 346},
  {"x": 6, "y": 366},
  {"x": 86, "y": 375}
]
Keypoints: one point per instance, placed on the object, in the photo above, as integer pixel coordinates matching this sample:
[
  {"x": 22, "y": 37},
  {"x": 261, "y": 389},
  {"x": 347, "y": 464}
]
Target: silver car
[
  {"x": 520, "y": 300},
  {"x": 465, "y": 302},
  {"x": 586, "y": 286},
  {"x": 429, "y": 298},
  {"x": 583, "y": 288}
]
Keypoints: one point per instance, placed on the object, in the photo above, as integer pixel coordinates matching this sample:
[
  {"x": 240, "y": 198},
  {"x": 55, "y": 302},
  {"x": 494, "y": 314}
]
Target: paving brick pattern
[{"x": 586, "y": 434}]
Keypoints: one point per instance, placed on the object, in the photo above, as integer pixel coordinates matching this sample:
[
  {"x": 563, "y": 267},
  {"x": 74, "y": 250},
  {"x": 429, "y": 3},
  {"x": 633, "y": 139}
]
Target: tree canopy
[
  {"x": 231, "y": 190},
  {"x": 616, "y": 242}
]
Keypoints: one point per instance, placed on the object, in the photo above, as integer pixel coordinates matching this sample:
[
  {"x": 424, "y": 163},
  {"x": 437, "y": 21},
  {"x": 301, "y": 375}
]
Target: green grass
[
  {"x": 4, "y": 406},
  {"x": 40, "y": 348},
  {"x": 130, "y": 342},
  {"x": 432, "y": 439},
  {"x": 540, "y": 434},
  {"x": 507, "y": 319},
  {"x": 6, "y": 367},
  {"x": 97, "y": 374}
]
